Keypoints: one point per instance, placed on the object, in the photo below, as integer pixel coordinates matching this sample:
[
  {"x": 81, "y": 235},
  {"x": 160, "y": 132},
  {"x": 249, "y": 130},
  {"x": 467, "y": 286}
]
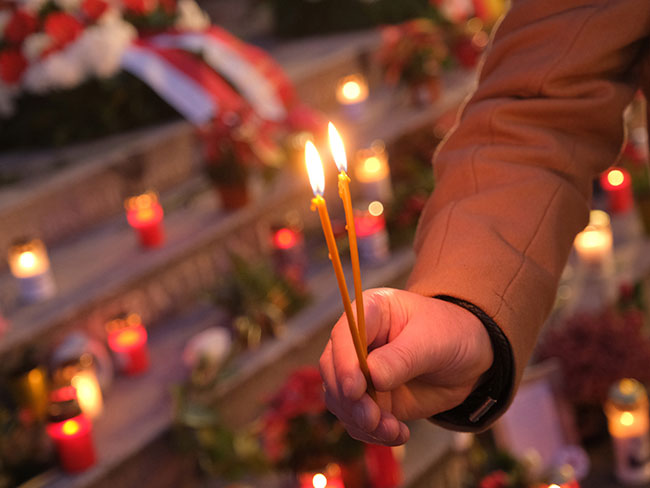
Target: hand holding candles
[
  {"x": 317, "y": 180},
  {"x": 145, "y": 215},
  {"x": 30, "y": 265}
]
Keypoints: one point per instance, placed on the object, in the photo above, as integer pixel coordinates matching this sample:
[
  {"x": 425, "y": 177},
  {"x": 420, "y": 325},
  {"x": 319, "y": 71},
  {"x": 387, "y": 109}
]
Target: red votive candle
[
  {"x": 127, "y": 338},
  {"x": 617, "y": 184},
  {"x": 73, "y": 442},
  {"x": 145, "y": 214},
  {"x": 289, "y": 254}
]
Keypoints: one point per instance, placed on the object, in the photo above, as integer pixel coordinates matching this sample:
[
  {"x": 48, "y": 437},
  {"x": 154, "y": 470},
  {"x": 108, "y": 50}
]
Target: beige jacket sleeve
[{"x": 513, "y": 179}]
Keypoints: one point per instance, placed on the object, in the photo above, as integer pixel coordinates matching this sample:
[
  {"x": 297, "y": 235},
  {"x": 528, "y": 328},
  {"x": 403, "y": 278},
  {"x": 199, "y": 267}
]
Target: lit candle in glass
[
  {"x": 372, "y": 173},
  {"x": 562, "y": 477},
  {"x": 330, "y": 477},
  {"x": 32, "y": 391},
  {"x": 289, "y": 259},
  {"x": 80, "y": 374},
  {"x": 352, "y": 93},
  {"x": 71, "y": 432},
  {"x": 627, "y": 418},
  {"x": 594, "y": 243},
  {"x": 85, "y": 383},
  {"x": 127, "y": 339},
  {"x": 371, "y": 234},
  {"x": 617, "y": 184},
  {"x": 30, "y": 265},
  {"x": 145, "y": 214}
]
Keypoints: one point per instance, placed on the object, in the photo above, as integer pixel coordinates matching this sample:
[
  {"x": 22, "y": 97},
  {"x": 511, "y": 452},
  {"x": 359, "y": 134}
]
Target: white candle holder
[
  {"x": 627, "y": 418},
  {"x": 30, "y": 265},
  {"x": 372, "y": 173},
  {"x": 352, "y": 93}
]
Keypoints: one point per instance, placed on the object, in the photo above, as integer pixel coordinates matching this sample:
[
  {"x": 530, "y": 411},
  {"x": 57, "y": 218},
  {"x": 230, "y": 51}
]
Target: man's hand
[{"x": 426, "y": 356}]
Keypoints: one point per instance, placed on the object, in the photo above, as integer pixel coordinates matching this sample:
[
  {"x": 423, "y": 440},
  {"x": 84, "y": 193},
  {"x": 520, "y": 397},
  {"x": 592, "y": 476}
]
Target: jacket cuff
[{"x": 490, "y": 399}]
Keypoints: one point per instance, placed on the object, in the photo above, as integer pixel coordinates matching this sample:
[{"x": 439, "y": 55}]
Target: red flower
[
  {"x": 169, "y": 6},
  {"x": 496, "y": 479},
  {"x": 62, "y": 28},
  {"x": 141, "y": 7},
  {"x": 12, "y": 65},
  {"x": 20, "y": 25},
  {"x": 94, "y": 9}
]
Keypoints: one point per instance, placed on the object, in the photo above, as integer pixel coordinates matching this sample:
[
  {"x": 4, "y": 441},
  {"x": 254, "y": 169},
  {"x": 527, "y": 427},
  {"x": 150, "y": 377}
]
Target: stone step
[
  {"x": 103, "y": 272},
  {"x": 60, "y": 192},
  {"x": 138, "y": 411}
]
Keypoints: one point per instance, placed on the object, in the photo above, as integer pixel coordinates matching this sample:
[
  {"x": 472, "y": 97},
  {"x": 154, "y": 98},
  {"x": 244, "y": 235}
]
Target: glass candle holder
[
  {"x": 31, "y": 391},
  {"x": 372, "y": 173},
  {"x": 352, "y": 93},
  {"x": 330, "y": 477},
  {"x": 627, "y": 418},
  {"x": 594, "y": 245},
  {"x": 145, "y": 214},
  {"x": 372, "y": 237},
  {"x": 30, "y": 266},
  {"x": 127, "y": 339},
  {"x": 80, "y": 373},
  {"x": 617, "y": 184},
  {"x": 288, "y": 254}
]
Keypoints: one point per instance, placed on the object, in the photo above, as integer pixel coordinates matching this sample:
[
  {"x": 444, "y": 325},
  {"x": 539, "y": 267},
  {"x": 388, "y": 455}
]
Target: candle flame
[
  {"x": 337, "y": 148},
  {"x": 627, "y": 419},
  {"x": 314, "y": 168},
  {"x": 372, "y": 165},
  {"x": 128, "y": 337},
  {"x": 375, "y": 208},
  {"x": 351, "y": 90},
  {"x": 319, "y": 481},
  {"x": 615, "y": 177},
  {"x": 27, "y": 260},
  {"x": 554, "y": 486},
  {"x": 70, "y": 427}
]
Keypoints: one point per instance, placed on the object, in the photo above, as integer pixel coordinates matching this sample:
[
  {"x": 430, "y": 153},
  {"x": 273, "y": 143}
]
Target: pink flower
[
  {"x": 63, "y": 28},
  {"x": 12, "y": 65},
  {"x": 20, "y": 25}
]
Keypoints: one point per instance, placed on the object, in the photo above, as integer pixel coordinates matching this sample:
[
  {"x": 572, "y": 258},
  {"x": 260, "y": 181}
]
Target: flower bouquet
[
  {"x": 220, "y": 450},
  {"x": 299, "y": 434},
  {"x": 258, "y": 301},
  {"x": 61, "y": 77},
  {"x": 415, "y": 53}
]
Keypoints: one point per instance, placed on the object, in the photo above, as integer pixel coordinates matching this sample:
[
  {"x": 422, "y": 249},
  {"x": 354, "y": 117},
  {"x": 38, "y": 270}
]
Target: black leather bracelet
[{"x": 478, "y": 410}]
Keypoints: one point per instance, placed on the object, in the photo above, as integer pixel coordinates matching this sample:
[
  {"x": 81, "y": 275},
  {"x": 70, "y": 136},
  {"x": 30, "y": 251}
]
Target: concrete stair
[{"x": 100, "y": 270}]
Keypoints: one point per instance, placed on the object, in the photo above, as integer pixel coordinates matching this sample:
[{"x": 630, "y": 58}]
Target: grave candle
[
  {"x": 330, "y": 477},
  {"x": 627, "y": 419},
  {"x": 30, "y": 265},
  {"x": 31, "y": 391},
  {"x": 127, "y": 338},
  {"x": 352, "y": 93},
  {"x": 89, "y": 393},
  {"x": 145, "y": 214},
  {"x": 73, "y": 442},
  {"x": 594, "y": 243},
  {"x": 289, "y": 254},
  {"x": 71, "y": 431},
  {"x": 373, "y": 173},
  {"x": 372, "y": 234},
  {"x": 617, "y": 184}
]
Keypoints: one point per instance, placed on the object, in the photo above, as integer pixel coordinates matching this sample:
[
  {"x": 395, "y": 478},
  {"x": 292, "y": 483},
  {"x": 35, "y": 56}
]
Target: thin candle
[
  {"x": 317, "y": 180},
  {"x": 338, "y": 152}
]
